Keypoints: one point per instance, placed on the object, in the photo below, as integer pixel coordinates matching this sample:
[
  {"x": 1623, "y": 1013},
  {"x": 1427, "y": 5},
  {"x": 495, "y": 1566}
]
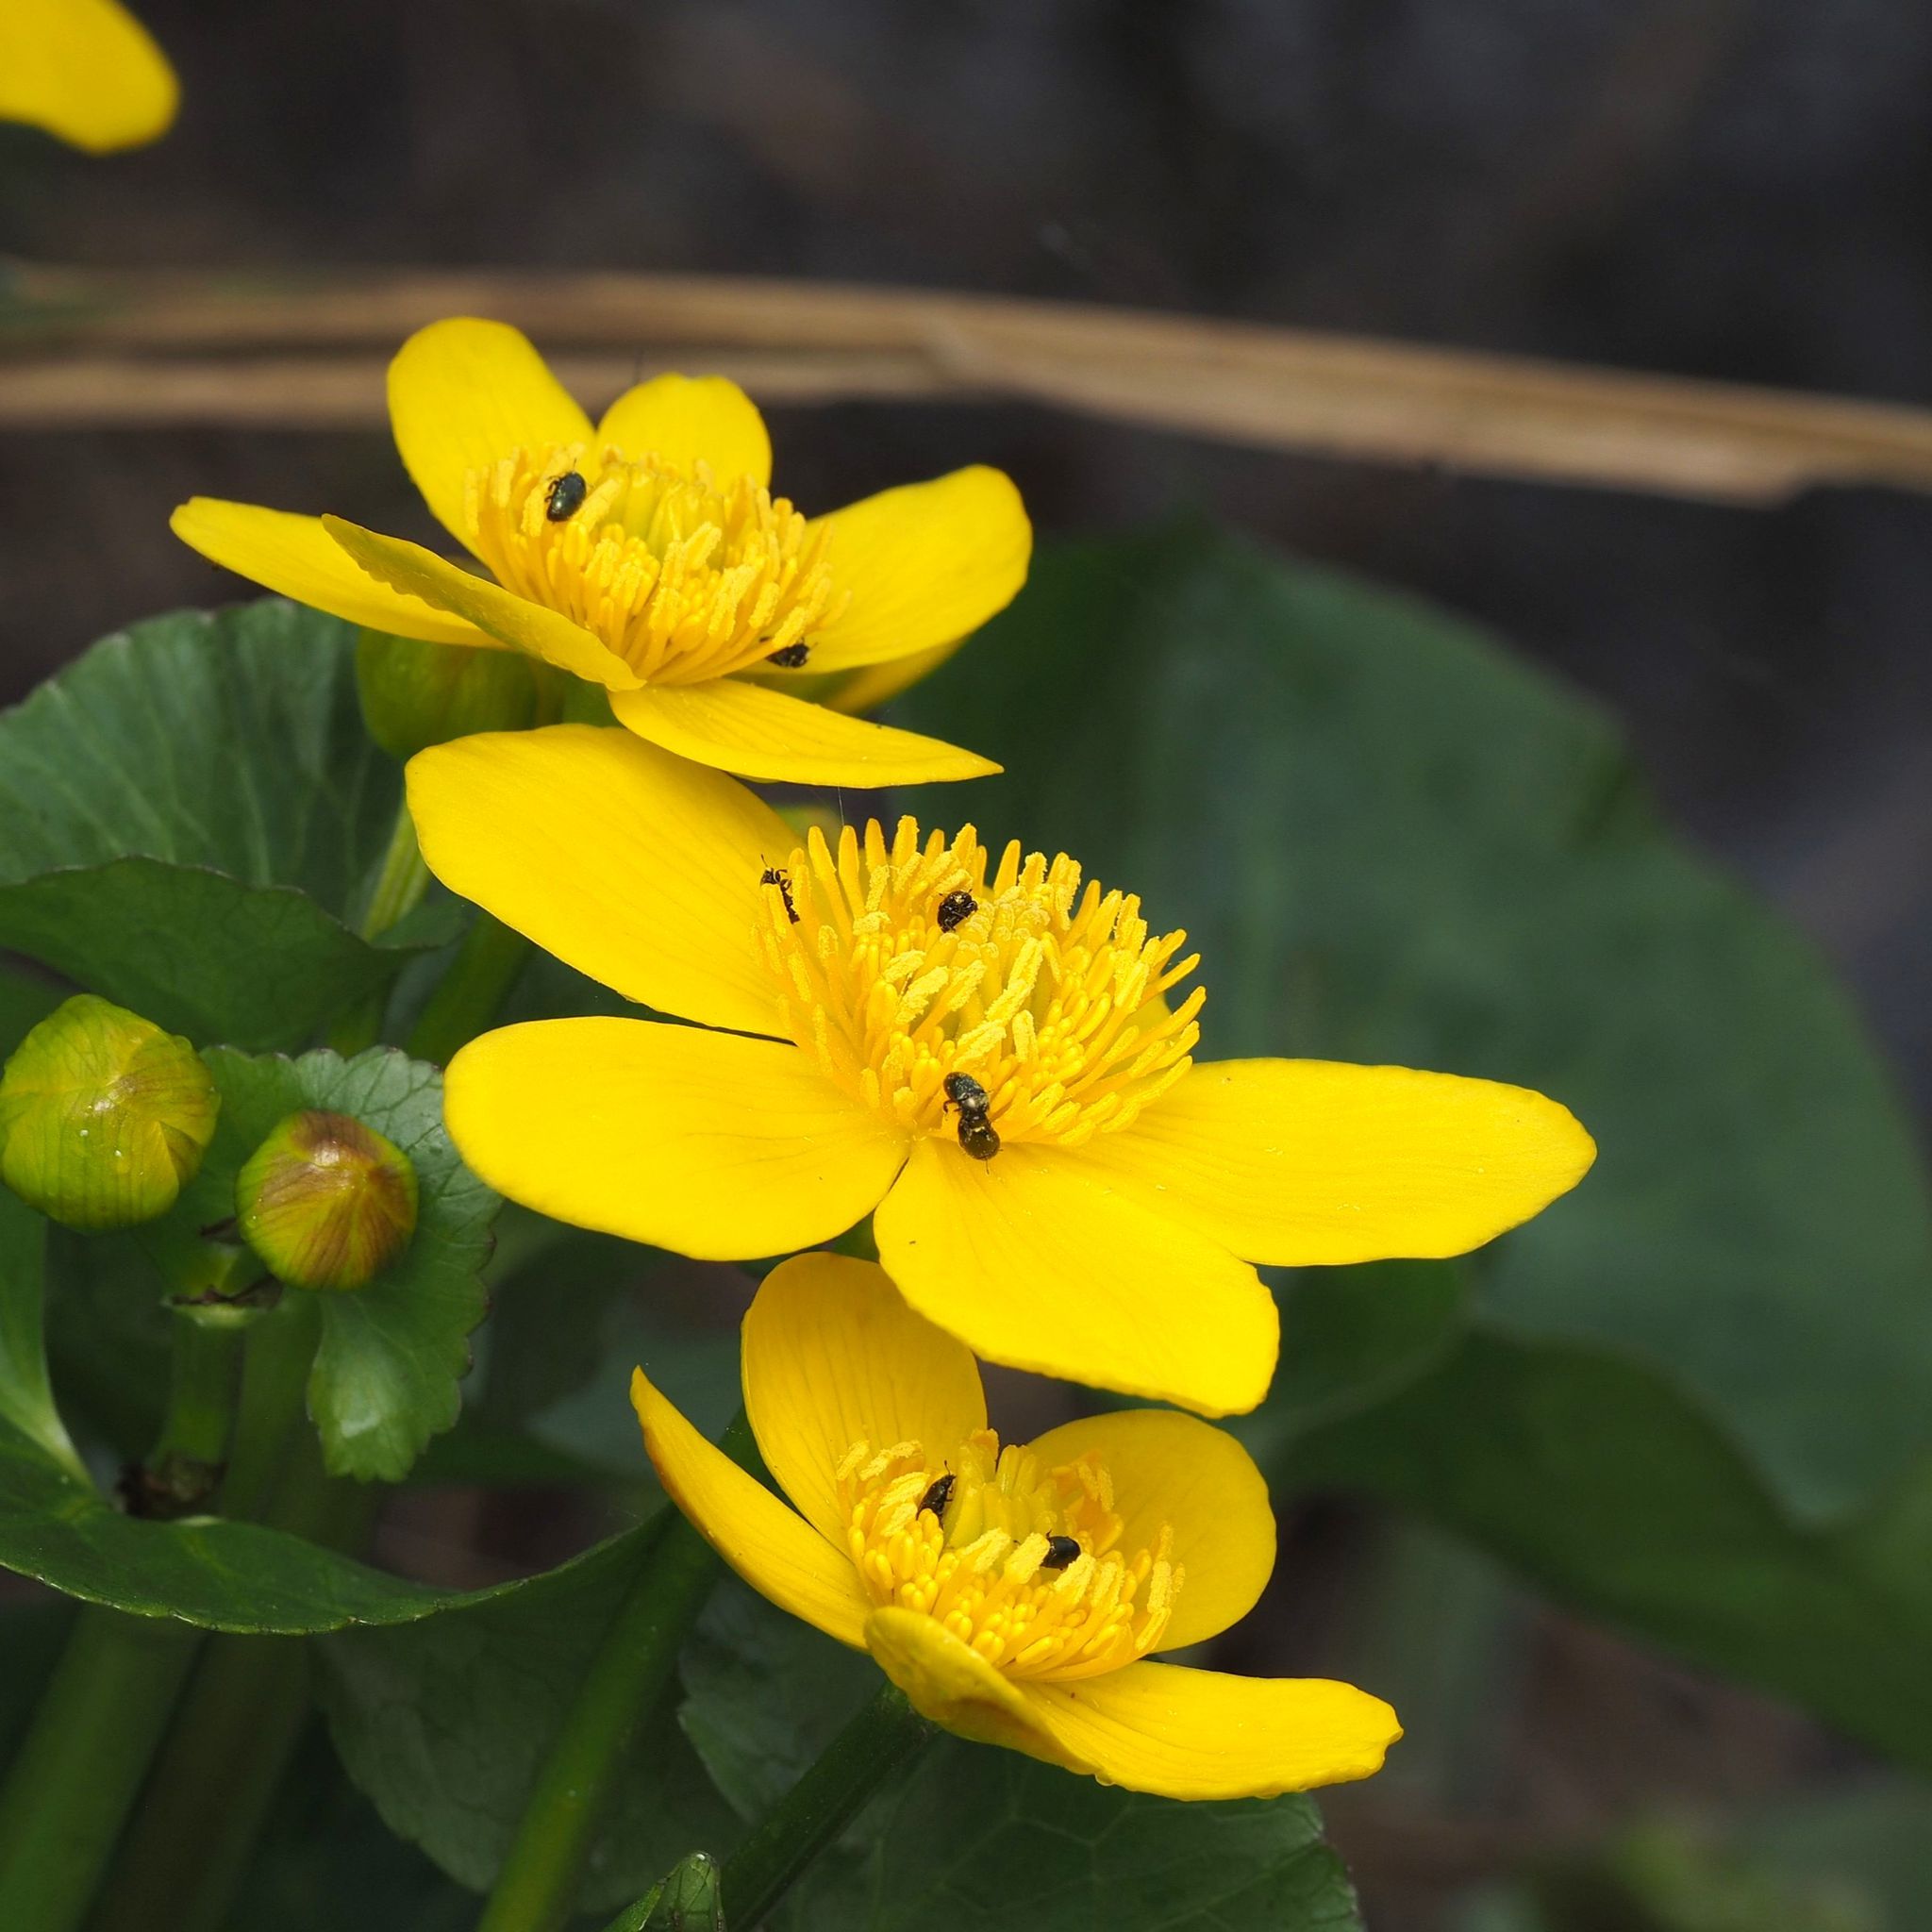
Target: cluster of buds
[{"x": 105, "y": 1118}]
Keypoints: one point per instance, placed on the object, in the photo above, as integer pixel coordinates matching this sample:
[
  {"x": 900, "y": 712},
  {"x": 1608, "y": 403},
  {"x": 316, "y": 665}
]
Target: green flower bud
[
  {"x": 325, "y": 1202},
  {"x": 104, "y": 1118},
  {"x": 416, "y": 694}
]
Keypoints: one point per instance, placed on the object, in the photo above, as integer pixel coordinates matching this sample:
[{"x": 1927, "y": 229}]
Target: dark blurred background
[{"x": 1729, "y": 189}]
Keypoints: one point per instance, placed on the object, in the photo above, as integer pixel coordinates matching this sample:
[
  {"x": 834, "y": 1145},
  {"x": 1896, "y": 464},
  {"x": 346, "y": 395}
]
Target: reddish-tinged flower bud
[
  {"x": 104, "y": 1118},
  {"x": 327, "y": 1202}
]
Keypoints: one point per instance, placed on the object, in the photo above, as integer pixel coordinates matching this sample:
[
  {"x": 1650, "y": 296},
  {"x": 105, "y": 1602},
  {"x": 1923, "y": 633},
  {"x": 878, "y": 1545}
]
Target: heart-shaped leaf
[{"x": 190, "y": 818}]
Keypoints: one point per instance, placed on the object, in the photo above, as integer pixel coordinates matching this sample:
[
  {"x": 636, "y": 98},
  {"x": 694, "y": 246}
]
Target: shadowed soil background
[{"x": 1714, "y": 188}]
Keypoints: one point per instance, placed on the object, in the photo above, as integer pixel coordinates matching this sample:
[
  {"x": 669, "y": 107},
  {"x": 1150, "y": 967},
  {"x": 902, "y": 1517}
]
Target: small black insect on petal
[
  {"x": 939, "y": 1497},
  {"x": 1061, "y": 1551},
  {"x": 567, "y": 493},
  {"x": 956, "y": 908},
  {"x": 790, "y": 658},
  {"x": 772, "y": 876},
  {"x": 978, "y": 1135}
]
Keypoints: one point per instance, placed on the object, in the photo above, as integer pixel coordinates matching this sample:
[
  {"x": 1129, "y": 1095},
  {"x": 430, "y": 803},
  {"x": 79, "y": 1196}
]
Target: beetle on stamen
[
  {"x": 566, "y": 497},
  {"x": 773, "y": 875}
]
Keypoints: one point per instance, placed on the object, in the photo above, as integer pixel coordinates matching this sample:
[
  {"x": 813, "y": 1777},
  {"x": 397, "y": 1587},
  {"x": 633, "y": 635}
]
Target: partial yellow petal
[
  {"x": 691, "y": 419},
  {"x": 1029, "y": 1261},
  {"x": 925, "y": 563},
  {"x": 946, "y": 1680},
  {"x": 512, "y": 620},
  {"x": 1300, "y": 1162},
  {"x": 295, "y": 557},
  {"x": 86, "y": 71},
  {"x": 762, "y": 733},
  {"x": 625, "y": 862},
  {"x": 834, "y": 1356},
  {"x": 779, "y": 1554},
  {"x": 465, "y": 393},
  {"x": 1196, "y": 1480},
  {"x": 866, "y": 687},
  {"x": 1198, "y": 1734},
  {"x": 707, "y": 1144}
]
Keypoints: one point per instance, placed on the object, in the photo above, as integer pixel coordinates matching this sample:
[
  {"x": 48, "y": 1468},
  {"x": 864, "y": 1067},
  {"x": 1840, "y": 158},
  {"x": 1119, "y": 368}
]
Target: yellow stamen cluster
[
  {"x": 982, "y": 1571},
  {"x": 685, "y": 576},
  {"x": 1052, "y": 998}
]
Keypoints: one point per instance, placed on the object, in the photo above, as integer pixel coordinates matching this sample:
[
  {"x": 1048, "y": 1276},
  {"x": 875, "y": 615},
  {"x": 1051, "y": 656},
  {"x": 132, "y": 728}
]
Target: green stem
[
  {"x": 240, "y": 1721},
  {"x": 886, "y": 1734},
  {"x": 281, "y": 1348},
  {"x": 70, "y": 1788},
  {"x": 399, "y": 887},
  {"x": 204, "y": 1386},
  {"x": 536, "y": 1890},
  {"x": 402, "y": 881},
  {"x": 478, "y": 983}
]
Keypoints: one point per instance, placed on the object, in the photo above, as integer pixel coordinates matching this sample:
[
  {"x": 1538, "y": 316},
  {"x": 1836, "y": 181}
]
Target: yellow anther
[
  {"x": 1052, "y": 996},
  {"x": 686, "y": 575},
  {"x": 987, "y": 1581}
]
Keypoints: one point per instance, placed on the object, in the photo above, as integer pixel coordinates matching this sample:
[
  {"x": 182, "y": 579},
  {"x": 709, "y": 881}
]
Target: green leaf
[
  {"x": 1610, "y": 1488},
  {"x": 324, "y": 1860},
  {"x": 193, "y": 814},
  {"x": 386, "y": 1373},
  {"x": 764, "y": 1694},
  {"x": 573, "y": 1313},
  {"x": 25, "y": 1000},
  {"x": 444, "y": 1727},
  {"x": 203, "y": 1570},
  {"x": 685, "y": 1901},
  {"x": 977, "y": 1839},
  {"x": 980, "y": 1840},
  {"x": 26, "y": 1398},
  {"x": 1351, "y": 1338},
  {"x": 1393, "y": 841}
]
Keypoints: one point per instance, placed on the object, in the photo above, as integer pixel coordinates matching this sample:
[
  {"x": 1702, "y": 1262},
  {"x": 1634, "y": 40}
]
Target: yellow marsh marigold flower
[
  {"x": 86, "y": 71},
  {"x": 1014, "y": 1594},
  {"x": 1107, "y": 1237},
  {"x": 649, "y": 555}
]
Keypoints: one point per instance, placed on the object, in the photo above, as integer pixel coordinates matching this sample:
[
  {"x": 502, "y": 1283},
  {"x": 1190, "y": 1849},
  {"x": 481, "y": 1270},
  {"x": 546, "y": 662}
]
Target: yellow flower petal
[
  {"x": 925, "y": 563},
  {"x": 1198, "y": 1482},
  {"x": 946, "y": 1680},
  {"x": 512, "y": 620},
  {"x": 465, "y": 393},
  {"x": 707, "y": 1144},
  {"x": 691, "y": 419},
  {"x": 762, "y": 733},
  {"x": 834, "y": 1356},
  {"x": 776, "y": 1551},
  {"x": 625, "y": 862},
  {"x": 1198, "y": 1734},
  {"x": 1300, "y": 1162},
  {"x": 86, "y": 71},
  {"x": 294, "y": 556},
  {"x": 1031, "y": 1261},
  {"x": 866, "y": 687}
]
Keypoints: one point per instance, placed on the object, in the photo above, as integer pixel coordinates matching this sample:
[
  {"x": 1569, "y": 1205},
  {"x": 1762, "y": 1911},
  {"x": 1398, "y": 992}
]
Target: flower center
[
  {"x": 1016, "y": 1560},
  {"x": 1023, "y": 1009},
  {"x": 685, "y": 577}
]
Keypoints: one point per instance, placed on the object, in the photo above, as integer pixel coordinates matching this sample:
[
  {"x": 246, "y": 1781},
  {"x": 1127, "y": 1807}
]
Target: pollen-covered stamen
[
  {"x": 1052, "y": 997},
  {"x": 684, "y": 575},
  {"x": 983, "y": 1574}
]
